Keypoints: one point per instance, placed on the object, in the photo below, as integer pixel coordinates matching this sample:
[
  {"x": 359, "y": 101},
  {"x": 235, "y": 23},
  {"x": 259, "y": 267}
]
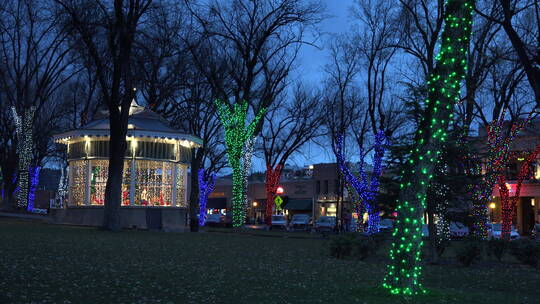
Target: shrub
[
  {"x": 441, "y": 245},
  {"x": 469, "y": 252},
  {"x": 341, "y": 246},
  {"x": 526, "y": 251},
  {"x": 498, "y": 248},
  {"x": 365, "y": 246}
]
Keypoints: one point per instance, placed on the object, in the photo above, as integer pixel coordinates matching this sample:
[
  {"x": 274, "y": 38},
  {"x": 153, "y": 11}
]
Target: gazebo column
[
  {"x": 87, "y": 182},
  {"x": 174, "y": 179}
]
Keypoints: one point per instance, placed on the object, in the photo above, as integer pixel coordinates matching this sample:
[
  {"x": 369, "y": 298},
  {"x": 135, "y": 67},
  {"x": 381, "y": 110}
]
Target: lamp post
[{"x": 492, "y": 207}]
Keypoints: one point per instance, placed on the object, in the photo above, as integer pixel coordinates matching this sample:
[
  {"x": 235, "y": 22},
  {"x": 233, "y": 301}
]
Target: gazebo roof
[{"x": 141, "y": 123}]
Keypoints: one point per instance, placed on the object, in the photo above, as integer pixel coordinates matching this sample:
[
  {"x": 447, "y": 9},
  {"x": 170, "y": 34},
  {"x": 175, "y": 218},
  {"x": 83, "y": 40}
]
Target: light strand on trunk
[
  {"x": 236, "y": 135},
  {"x": 404, "y": 274}
]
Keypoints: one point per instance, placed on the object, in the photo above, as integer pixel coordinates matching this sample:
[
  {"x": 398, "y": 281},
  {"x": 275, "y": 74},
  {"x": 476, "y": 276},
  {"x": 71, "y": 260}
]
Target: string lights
[
  {"x": 273, "y": 176},
  {"x": 404, "y": 271},
  {"x": 498, "y": 144},
  {"x": 367, "y": 194},
  {"x": 23, "y": 127},
  {"x": 236, "y": 135},
  {"x": 509, "y": 204},
  {"x": 206, "y": 186},
  {"x": 246, "y": 166},
  {"x": 34, "y": 181}
]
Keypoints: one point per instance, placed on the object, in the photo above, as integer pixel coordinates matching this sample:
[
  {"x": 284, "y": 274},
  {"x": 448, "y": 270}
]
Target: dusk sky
[{"x": 310, "y": 69}]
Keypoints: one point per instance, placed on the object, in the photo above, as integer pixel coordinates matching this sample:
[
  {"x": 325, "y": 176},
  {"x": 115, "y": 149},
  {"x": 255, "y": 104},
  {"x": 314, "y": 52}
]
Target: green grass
[{"x": 42, "y": 263}]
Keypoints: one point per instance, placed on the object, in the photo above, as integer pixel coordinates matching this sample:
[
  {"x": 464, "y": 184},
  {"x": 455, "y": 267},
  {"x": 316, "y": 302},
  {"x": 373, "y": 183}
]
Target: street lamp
[{"x": 492, "y": 207}]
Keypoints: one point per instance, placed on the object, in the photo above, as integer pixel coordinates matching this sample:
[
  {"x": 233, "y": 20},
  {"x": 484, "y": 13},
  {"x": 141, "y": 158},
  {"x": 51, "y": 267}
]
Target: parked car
[
  {"x": 535, "y": 233},
  {"x": 214, "y": 219},
  {"x": 386, "y": 224},
  {"x": 325, "y": 223},
  {"x": 279, "y": 221},
  {"x": 495, "y": 231},
  {"x": 458, "y": 230},
  {"x": 299, "y": 222}
]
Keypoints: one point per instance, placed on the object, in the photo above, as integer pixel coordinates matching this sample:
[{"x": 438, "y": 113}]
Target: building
[
  {"x": 527, "y": 211},
  {"x": 313, "y": 190},
  {"x": 155, "y": 171}
]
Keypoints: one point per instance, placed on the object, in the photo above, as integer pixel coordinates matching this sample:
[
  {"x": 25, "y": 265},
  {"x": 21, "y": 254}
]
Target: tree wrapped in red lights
[
  {"x": 498, "y": 155},
  {"x": 508, "y": 204},
  {"x": 273, "y": 176}
]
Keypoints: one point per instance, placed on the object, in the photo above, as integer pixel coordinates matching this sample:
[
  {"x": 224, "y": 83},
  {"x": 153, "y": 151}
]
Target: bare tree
[
  {"x": 258, "y": 41},
  {"x": 254, "y": 44},
  {"x": 289, "y": 125},
  {"x": 34, "y": 65},
  {"x": 108, "y": 31},
  {"x": 520, "y": 20},
  {"x": 173, "y": 85}
]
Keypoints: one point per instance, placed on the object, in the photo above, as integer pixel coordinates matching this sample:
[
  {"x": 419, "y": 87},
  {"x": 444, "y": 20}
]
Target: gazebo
[{"x": 155, "y": 164}]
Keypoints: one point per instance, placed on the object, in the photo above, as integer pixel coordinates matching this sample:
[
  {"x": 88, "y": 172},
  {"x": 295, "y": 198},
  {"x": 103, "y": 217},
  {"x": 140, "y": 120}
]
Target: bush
[
  {"x": 441, "y": 246},
  {"x": 341, "y": 246},
  {"x": 366, "y": 246},
  {"x": 526, "y": 251},
  {"x": 498, "y": 248},
  {"x": 469, "y": 252}
]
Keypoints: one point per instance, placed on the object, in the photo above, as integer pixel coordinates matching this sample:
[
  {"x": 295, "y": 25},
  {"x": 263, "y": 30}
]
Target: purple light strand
[{"x": 206, "y": 186}]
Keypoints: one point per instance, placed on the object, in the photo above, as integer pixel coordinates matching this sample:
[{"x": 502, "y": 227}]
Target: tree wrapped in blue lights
[
  {"x": 404, "y": 274},
  {"x": 34, "y": 181},
  {"x": 366, "y": 190},
  {"x": 236, "y": 135},
  {"x": 206, "y": 186}
]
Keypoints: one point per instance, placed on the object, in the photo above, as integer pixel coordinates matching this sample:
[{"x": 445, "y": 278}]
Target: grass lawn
[{"x": 42, "y": 263}]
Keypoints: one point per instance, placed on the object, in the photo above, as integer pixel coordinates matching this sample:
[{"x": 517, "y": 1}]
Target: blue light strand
[
  {"x": 206, "y": 186},
  {"x": 34, "y": 181},
  {"x": 366, "y": 193}
]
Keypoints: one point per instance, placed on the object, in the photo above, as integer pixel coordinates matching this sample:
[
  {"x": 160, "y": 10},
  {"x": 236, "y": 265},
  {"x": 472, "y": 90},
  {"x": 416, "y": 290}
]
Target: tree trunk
[
  {"x": 405, "y": 270},
  {"x": 273, "y": 177},
  {"x": 113, "y": 188},
  {"x": 194, "y": 191},
  {"x": 238, "y": 199},
  {"x": 432, "y": 233}
]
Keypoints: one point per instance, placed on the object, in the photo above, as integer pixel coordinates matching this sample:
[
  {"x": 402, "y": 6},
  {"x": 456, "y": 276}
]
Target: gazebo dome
[
  {"x": 141, "y": 123},
  {"x": 155, "y": 165}
]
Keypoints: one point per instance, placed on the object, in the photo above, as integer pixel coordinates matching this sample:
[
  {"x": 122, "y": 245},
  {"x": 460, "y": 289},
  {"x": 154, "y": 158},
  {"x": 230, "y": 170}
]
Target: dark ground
[{"x": 41, "y": 263}]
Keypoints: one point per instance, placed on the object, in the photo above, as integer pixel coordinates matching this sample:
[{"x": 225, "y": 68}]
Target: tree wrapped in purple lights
[
  {"x": 498, "y": 155},
  {"x": 206, "y": 186},
  {"x": 366, "y": 190}
]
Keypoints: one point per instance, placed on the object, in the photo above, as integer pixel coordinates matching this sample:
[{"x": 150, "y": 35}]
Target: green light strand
[
  {"x": 404, "y": 271},
  {"x": 236, "y": 136}
]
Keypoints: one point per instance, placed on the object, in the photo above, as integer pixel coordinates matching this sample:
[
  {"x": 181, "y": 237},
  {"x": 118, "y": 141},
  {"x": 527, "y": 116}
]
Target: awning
[
  {"x": 217, "y": 203},
  {"x": 299, "y": 204}
]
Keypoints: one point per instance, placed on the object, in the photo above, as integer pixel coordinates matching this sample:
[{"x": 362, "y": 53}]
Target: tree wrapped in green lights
[
  {"x": 236, "y": 136},
  {"x": 404, "y": 271}
]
